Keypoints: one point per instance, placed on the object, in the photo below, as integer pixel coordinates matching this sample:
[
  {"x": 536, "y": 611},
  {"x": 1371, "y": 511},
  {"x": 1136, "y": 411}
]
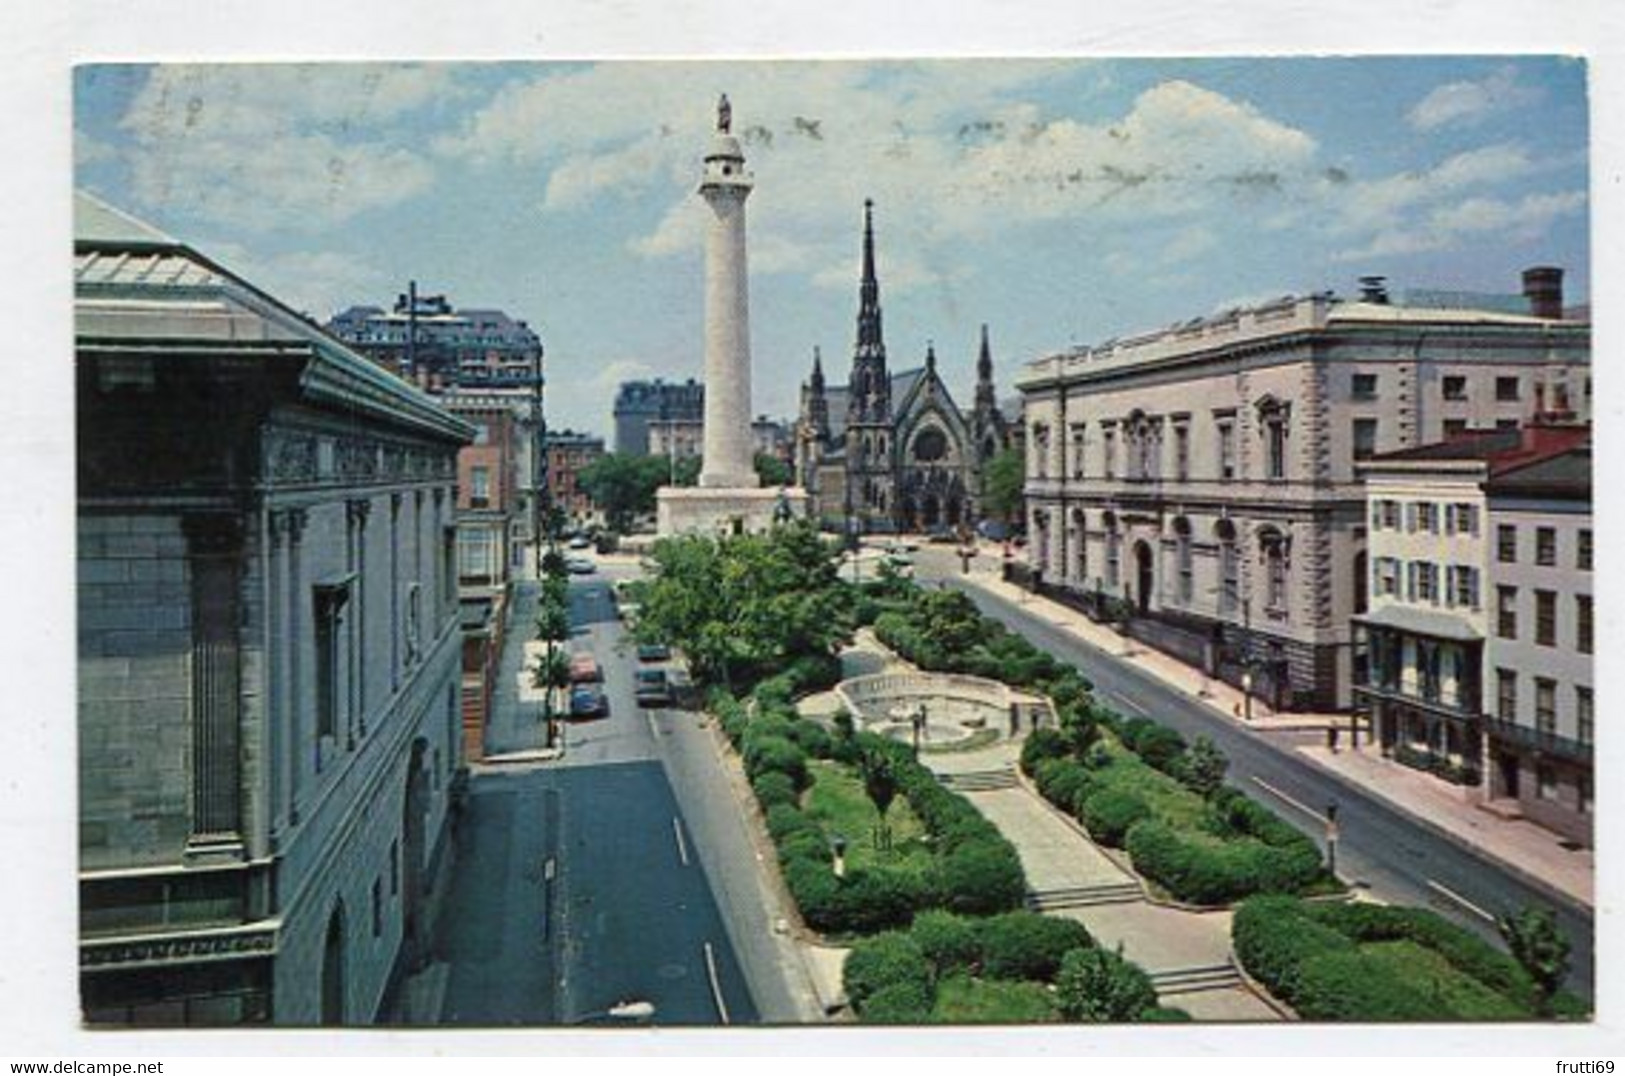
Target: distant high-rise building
[
  {"x": 638, "y": 403},
  {"x": 425, "y": 339}
]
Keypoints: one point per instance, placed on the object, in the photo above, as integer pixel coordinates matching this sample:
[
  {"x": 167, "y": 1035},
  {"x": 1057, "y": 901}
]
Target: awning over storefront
[{"x": 1416, "y": 621}]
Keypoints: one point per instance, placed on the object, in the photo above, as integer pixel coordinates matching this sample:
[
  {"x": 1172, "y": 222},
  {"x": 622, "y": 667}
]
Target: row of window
[
  {"x": 1506, "y": 618},
  {"x": 1424, "y": 517},
  {"x": 1142, "y": 442},
  {"x": 1422, "y": 582},
  {"x": 1453, "y": 387},
  {"x": 1506, "y": 704},
  {"x": 1546, "y": 553}
]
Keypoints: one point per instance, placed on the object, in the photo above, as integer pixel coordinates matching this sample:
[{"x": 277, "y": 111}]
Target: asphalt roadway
[
  {"x": 583, "y": 885},
  {"x": 1380, "y": 848}
]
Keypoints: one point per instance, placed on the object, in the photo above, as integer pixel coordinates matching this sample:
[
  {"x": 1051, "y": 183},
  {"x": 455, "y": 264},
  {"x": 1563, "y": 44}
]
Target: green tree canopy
[
  {"x": 772, "y": 471},
  {"x": 1003, "y": 478},
  {"x": 623, "y": 485}
]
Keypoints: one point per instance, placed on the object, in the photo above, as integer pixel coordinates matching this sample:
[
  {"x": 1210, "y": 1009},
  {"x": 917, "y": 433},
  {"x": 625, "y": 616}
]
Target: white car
[{"x": 579, "y": 565}]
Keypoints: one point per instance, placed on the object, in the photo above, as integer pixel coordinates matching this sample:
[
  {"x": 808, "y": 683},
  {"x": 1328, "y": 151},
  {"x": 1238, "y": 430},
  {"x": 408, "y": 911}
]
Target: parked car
[
  {"x": 588, "y": 701},
  {"x": 654, "y": 652},
  {"x": 653, "y": 688},
  {"x": 629, "y": 612},
  {"x": 579, "y": 565},
  {"x": 584, "y": 669},
  {"x": 581, "y": 541}
]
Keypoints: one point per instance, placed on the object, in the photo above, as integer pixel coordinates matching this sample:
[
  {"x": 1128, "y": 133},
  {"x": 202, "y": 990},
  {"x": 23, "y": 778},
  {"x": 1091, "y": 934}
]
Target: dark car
[
  {"x": 654, "y": 652},
  {"x": 653, "y": 688},
  {"x": 588, "y": 701}
]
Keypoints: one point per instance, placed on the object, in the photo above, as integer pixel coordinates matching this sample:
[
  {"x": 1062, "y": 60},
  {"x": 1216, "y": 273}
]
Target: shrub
[
  {"x": 1131, "y": 729},
  {"x": 731, "y": 715},
  {"x": 981, "y": 877},
  {"x": 1063, "y": 782},
  {"x": 812, "y": 737},
  {"x": 900, "y": 1003},
  {"x": 1273, "y": 937},
  {"x": 816, "y": 891},
  {"x": 1043, "y": 744},
  {"x": 776, "y": 693},
  {"x": 775, "y": 754},
  {"x": 784, "y": 820},
  {"x": 1110, "y": 813},
  {"x": 1026, "y": 945},
  {"x": 811, "y": 673},
  {"x": 950, "y": 942},
  {"x": 1098, "y": 986},
  {"x": 1204, "y": 871},
  {"x": 885, "y": 960},
  {"x": 1344, "y": 985},
  {"x": 1161, "y": 748},
  {"x": 1205, "y": 767},
  {"x": 774, "y": 789}
]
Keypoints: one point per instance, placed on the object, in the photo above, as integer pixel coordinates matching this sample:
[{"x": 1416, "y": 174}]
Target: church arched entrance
[
  {"x": 332, "y": 987},
  {"x": 955, "y": 513},
  {"x": 930, "y": 512},
  {"x": 1143, "y": 579}
]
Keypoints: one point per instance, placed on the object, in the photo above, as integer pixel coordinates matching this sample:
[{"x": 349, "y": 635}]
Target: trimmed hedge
[
  {"x": 1310, "y": 956},
  {"x": 1025, "y": 945},
  {"x": 1205, "y": 870},
  {"x": 1099, "y": 986},
  {"x": 776, "y": 754},
  {"x": 883, "y": 961},
  {"x": 950, "y": 942},
  {"x": 1109, "y": 814},
  {"x": 775, "y": 789}
]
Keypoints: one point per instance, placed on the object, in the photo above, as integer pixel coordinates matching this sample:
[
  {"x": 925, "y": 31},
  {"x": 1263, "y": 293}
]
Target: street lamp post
[{"x": 920, "y": 718}]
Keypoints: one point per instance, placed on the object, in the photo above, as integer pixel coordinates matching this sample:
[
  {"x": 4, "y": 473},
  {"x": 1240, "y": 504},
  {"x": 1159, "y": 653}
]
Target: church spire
[
  {"x": 871, "y": 342},
  {"x": 984, "y": 375},
  {"x": 818, "y": 370}
]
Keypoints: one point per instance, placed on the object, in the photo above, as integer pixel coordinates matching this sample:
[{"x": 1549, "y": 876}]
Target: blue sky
[{"x": 1059, "y": 201}]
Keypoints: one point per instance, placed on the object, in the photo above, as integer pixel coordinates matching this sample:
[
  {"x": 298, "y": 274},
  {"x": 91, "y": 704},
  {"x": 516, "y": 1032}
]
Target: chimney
[
  {"x": 1543, "y": 287},
  {"x": 1374, "y": 289}
]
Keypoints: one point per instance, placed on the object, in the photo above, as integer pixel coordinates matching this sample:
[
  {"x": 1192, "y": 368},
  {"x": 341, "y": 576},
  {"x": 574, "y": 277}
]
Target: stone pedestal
[{"x": 714, "y": 512}]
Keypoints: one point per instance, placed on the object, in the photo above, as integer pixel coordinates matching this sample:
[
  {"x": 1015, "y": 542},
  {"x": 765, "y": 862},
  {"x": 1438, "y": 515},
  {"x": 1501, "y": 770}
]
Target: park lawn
[
  {"x": 1169, "y": 800},
  {"x": 962, "y": 999},
  {"x": 1459, "y": 996},
  {"x": 839, "y": 804}
]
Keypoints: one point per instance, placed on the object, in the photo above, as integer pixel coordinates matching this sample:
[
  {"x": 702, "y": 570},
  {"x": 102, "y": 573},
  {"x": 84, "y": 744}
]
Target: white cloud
[
  {"x": 1447, "y": 227},
  {"x": 315, "y": 282},
  {"x": 280, "y": 146},
  {"x": 1470, "y": 102}
]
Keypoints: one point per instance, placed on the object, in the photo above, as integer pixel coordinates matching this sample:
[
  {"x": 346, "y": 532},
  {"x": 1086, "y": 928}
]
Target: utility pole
[{"x": 411, "y": 367}]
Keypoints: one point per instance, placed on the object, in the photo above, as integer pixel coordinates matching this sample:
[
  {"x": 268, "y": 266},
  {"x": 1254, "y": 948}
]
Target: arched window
[
  {"x": 1040, "y": 450},
  {"x": 930, "y": 445}
]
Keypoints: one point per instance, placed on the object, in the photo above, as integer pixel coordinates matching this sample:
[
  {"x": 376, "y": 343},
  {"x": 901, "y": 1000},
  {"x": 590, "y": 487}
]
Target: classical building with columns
[
  {"x": 268, "y": 719},
  {"x": 1204, "y": 474},
  {"x": 891, "y": 451}
]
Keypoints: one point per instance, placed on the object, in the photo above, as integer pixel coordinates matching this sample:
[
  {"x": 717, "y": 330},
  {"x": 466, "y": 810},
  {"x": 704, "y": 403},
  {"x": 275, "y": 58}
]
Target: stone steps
[
  {"x": 979, "y": 780},
  {"x": 1083, "y": 896},
  {"x": 1195, "y": 979}
]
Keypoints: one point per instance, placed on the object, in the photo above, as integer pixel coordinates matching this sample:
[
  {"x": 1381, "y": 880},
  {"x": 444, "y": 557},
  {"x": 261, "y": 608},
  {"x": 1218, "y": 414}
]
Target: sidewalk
[{"x": 1519, "y": 846}]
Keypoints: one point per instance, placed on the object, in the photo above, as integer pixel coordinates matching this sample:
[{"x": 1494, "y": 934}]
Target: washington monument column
[
  {"x": 727, "y": 462},
  {"x": 729, "y": 498}
]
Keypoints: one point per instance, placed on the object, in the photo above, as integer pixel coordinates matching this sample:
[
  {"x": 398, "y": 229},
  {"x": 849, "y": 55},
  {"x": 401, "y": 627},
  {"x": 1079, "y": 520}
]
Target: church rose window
[{"x": 930, "y": 446}]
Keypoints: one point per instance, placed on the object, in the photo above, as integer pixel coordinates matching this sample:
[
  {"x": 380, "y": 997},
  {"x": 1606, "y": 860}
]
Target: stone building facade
[
  {"x": 1204, "y": 474},
  {"x": 429, "y": 341},
  {"x": 268, "y": 649},
  {"x": 888, "y": 451},
  {"x": 639, "y": 403}
]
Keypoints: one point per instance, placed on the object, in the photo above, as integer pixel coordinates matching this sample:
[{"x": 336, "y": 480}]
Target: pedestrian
[{"x": 1236, "y": 710}]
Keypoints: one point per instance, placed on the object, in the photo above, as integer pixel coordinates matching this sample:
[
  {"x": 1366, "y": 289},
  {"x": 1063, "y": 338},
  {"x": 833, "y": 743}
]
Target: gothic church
[{"x": 891, "y": 452}]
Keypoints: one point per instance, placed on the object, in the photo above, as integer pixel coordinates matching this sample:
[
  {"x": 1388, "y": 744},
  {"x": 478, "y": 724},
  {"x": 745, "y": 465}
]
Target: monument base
[{"x": 714, "y": 511}]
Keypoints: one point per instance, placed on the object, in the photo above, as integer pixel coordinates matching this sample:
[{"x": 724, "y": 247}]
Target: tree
[
  {"x": 1541, "y": 948},
  {"x": 623, "y": 485},
  {"x": 1003, "y": 477},
  {"x": 772, "y": 471},
  {"x": 1205, "y": 767},
  {"x": 552, "y": 622},
  {"x": 1098, "y": 986},
  {"x": 880, "y": 783},
  {"x": 551, "y": 673}
]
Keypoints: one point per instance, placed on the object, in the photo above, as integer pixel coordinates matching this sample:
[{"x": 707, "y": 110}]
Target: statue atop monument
[{"x": 725, "y": 115}]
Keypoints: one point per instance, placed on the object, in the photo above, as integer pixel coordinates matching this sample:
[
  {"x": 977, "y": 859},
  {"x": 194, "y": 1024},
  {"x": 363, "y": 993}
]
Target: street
[
  {"x": 1380, "y": 848},
  {"x": 582, "y": 885}
]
